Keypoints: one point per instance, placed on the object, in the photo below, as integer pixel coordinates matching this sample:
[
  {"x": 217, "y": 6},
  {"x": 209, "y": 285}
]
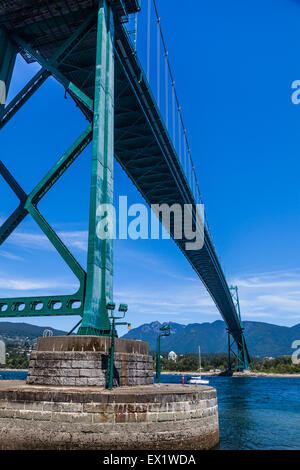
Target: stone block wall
[
  {"x": 88, "y": 368},
  {"x": 165, "y": 417}
]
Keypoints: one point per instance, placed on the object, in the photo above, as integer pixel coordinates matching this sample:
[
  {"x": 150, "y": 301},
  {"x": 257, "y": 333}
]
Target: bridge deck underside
[{"x": 142, "y": 144}]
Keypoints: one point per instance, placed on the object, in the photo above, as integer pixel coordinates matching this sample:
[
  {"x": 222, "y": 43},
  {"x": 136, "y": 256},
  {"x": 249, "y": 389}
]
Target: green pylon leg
[
  {"x": 99, "y": 286},
  {"x": 8, "y": 54}
]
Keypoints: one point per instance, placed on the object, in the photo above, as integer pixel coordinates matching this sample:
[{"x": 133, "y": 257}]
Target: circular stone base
[
  {"x": 154, "y": 417},
  {"x": 83, "y": 360}
]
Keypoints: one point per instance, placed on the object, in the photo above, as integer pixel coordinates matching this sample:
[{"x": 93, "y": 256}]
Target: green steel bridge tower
[{"x": 85, "y": 46}]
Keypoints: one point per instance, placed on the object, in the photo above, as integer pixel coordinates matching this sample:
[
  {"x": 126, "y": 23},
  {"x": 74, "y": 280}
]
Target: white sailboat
[{"x": 196, "y": 380}]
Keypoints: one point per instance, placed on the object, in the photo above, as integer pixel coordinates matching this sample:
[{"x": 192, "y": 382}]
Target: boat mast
[{"x": 199, "y": 361}]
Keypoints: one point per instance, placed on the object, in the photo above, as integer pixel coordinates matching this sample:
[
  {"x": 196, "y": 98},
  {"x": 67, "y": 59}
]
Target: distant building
[
  {"x": 2, "y": 352},
  {"x": 47, "y": 333},
  {"x": 172, "y": 356}
]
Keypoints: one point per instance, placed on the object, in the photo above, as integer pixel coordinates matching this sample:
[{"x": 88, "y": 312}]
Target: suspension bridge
[{"x": 90, "y": 48}]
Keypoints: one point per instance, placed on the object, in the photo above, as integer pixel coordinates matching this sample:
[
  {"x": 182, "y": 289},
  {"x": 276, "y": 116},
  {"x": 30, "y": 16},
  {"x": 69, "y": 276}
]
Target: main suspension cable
[{"x": 187, "y": 148}]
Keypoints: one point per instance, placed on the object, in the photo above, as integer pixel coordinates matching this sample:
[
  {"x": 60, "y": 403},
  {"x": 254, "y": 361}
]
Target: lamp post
[
  {"x": 110, "y": 363},
  {"x": 165, "y": 331}
]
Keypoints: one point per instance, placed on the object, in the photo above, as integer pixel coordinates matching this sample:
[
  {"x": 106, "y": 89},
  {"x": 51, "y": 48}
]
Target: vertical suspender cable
[
  {"x": 136, "y": 31},
  {"x": 158, "y": 62},
  {"x": 194, "y": 182},
  {"x": 149, "y": 40},
  {"x": 173, "y": 113},
  {"x": 167, "y": 90},
  {"x": 174, "y": 94},
  {"x": 190, "y": 168},
  {"x": 184, "y": 152},
  {"x": 136, "y": 26},
  {"x": 179, "y": 134},
  {"x": 187, "y": 150}
]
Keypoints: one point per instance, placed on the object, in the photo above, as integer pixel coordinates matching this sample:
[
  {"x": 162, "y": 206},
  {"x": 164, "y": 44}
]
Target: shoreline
[
  {"x": 235, "y": 374},
  {"x": 204, "y": 374}
]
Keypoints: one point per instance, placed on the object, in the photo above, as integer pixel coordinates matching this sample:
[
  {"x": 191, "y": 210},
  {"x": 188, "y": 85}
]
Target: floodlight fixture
[
  {"x": 123, "y": 308},
  {"x": 111, "y": 306}
]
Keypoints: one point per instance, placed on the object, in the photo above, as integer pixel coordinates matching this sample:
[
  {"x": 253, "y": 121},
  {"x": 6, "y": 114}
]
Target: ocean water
[
  {"x": 13, "y": 375},
  {"x": 258, "y": 413}
]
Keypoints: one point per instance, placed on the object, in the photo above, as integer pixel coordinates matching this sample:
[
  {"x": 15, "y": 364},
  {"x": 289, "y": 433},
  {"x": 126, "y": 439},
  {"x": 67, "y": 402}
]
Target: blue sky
[{"x": 234, "y": 63}]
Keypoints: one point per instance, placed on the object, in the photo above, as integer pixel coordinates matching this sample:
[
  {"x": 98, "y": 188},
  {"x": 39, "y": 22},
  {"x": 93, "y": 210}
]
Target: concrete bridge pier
[{"x": 64, "y": 404}]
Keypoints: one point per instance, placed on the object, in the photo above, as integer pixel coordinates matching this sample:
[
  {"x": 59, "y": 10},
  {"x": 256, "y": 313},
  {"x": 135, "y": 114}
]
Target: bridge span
[{"x": 85, "y": 45}]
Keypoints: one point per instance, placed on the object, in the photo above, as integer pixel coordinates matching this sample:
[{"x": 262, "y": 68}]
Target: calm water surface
[
  {"x": 254, "y": 412},
  {"x": 13, "y": 375}
]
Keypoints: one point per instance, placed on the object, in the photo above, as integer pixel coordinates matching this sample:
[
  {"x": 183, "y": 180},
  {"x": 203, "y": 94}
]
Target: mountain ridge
[
  {"x": 11, "y": 331},
  {"x": 263, "y": 339}
]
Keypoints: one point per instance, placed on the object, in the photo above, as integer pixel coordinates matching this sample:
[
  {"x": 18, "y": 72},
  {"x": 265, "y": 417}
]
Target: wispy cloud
[
  {"x": 155, "y": 264},
  {"x": 274, "y": 295},
  {"x": 268, "y": 296},
  {"x": 169, "y": 302},
  {"x": 271, "y": 297},
  {"x": 260, "y": 283},
  {"x": 11, "y": 256},
  {"x": 77, "y": 239},
  {"x": 37, "y": 241},
  {"x": 20, "y": 284}
]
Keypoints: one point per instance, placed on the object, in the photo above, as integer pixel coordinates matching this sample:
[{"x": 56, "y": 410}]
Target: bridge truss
[{"x": 84, "y": 45}]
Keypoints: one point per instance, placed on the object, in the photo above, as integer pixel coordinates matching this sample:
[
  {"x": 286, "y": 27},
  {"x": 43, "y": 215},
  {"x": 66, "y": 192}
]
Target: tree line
[
  {"x": 17, "y": 358},
  {"x": 190, "y": 362}
]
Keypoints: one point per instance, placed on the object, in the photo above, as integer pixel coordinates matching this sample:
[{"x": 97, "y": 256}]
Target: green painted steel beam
[
  {"x": 23, "y": 96},
  {"x": 99, "y": 287},
  {"x": 52, "y": 67},
  {"x": 243, "y": 355},
  {"x": 147, "y": 165},
  {"x": 9, "y": 225},
  {"x": 47, "y": 182},
  {"x": 8, "y": 53},
  {"x": 45, "y": 305},
  {"x": 139, "y": 96},
  {"x": 41, "y": 76}
]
